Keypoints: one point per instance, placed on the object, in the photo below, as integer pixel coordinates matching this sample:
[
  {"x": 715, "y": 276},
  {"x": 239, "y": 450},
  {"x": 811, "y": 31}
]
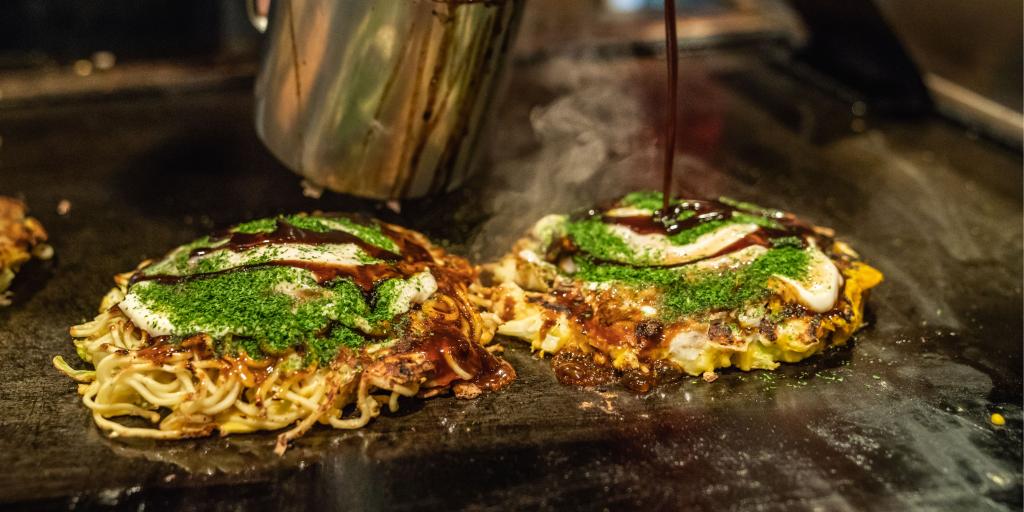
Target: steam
[{"x": 589, "y": 143}]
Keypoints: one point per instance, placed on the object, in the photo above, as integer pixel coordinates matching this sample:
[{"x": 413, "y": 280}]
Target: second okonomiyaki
[{"x": 629, "y": 291}]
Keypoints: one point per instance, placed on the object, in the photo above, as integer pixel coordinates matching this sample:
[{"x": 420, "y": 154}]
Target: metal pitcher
[{"x": 381, "y": 98}]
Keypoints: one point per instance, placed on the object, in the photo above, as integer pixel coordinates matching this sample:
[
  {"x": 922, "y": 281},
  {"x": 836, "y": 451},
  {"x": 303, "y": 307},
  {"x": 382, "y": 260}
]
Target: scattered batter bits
[
  {"x": 631, "y": 292},
  {"x": 21, "y": 239}
]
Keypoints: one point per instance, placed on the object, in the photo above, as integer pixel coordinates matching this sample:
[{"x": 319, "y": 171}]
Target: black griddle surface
[{"x": 897, "y": 421}]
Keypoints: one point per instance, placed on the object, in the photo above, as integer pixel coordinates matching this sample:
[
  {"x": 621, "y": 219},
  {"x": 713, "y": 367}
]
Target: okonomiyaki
[
  {"x": 632, "y": 292},
  {"x": 281, "y": 323}
]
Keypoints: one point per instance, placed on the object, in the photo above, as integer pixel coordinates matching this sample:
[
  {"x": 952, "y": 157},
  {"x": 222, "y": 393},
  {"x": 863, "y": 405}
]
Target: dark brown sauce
[
  {"x": 576, "y": 369},
  {"x": 366, "y": 277},
  {"x": 582, "y": 370},
  {"x": 446, "y": 339},
  {"x": 606, "y": 329},
  {"x": 709, "y": 211},
  {"x": 672, "y": 57},
  {"x": 434, "y": 338},
  {"x": 411, "y": 249},
  {"x": 414, "y": 256},
  {"x": 249, "y": 376},
  {"x": 158, "y": 351},
  {"x": 638, "y": 381},
  {"x": 495, "y": 373},
  {"x": 666, "y": 372},
  {"x": 489, "y": 372},
  {"x": 286, "y": 233},
  {"x": 649, "y": 334},
  {"x": 508, "y": 309},
  {"x": 665, "y": 221},
  {"x": 569, "y": 300},
  {"x": 764, "y": 237}
]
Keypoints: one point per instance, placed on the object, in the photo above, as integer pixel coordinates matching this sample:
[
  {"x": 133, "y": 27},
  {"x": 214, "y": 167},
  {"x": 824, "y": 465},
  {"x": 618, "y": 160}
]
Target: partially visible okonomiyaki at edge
[{"x": 21, "y": 239}]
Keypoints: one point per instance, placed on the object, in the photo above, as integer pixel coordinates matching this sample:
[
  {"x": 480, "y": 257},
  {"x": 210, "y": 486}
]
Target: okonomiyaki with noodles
[
  {"x": 632, "y": 292},
  {"x": 284, "y": 322}
]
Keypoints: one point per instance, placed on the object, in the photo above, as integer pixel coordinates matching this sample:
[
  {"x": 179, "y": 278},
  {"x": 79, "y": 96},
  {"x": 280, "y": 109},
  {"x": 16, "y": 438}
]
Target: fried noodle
[{"x": 187, "y": 391}]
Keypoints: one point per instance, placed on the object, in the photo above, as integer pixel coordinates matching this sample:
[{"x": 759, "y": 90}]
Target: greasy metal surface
[
  {"x": 898, "y": 421},
  {"x": 383, "y": 100}
]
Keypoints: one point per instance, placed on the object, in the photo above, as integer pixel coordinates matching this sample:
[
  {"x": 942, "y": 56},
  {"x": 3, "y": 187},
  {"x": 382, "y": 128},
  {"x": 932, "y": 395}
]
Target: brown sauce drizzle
[
  {"x": 704, "y": 211},
  {"x": 709, "y": 211},
  {"x": 638, "y": 381},
  {"x": 665, "y": 221},
  {"x": 251, "y": 373},
  {"x": 489, "y": 371},
  {"x": 577, "y": 369},
  {"x": 286, "y": 233},
  {"x": 366, "y": 277},
  {"x": 672, "y": 61},
  {"x": 581, "y": 370},
  {"x": 647, "y": 336},
  {"x": 650, "y": 333},
  {"x": 159, "y": 350},
  {"x": 574, "y": 368},
  {"x": 413, "y": 258},
  {"x": 412, "y": 250}
]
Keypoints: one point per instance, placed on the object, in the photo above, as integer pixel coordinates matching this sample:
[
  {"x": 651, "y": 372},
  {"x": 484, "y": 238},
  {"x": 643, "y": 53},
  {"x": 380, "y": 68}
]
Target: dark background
[{"x": 58, "y": 32}]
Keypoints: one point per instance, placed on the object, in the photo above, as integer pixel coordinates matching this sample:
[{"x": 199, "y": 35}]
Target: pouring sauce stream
[{"x": 672, "y": 57}]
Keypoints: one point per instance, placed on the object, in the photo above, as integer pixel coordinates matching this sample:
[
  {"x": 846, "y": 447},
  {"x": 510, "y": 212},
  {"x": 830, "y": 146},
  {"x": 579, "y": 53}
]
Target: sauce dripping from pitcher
[{"x": 672, "y": 57}]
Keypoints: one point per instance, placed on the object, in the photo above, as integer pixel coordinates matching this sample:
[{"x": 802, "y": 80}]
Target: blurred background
[{"x": 966, "y": 54}]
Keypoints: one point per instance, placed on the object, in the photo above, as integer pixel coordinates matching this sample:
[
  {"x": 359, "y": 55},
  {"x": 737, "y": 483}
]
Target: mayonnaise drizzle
[{"x": 660, "y": 251}]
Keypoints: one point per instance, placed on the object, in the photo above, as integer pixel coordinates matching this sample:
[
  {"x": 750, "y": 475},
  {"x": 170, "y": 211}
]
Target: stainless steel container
[{"x": 381, "y": 98}]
